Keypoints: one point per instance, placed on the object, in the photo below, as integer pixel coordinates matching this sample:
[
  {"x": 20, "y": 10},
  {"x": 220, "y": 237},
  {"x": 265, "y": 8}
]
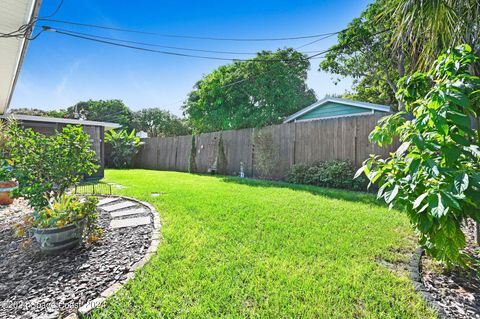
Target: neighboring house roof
[
  {"x": 13, "y": 15},
  {"x": 362, "y": 105},
  {"x": 19, "y": 117}
]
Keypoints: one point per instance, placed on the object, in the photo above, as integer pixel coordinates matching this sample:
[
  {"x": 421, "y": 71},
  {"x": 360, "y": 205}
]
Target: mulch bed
[
  {"x": 34, "y": 285},
  {"x": 457, "y": 292}
]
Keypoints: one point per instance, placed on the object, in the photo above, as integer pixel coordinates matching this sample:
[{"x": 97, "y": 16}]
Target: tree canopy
[
  {"x": 38, "y": 112},
  {"x": 253, "y": 93},
  {"x": 393, "y": 38},
  {"x": 158, "y": 122},
  {"x": 102, "y": 110},
  {"x": 363, "y": 53},
  {"x": 424, "y": 29}
]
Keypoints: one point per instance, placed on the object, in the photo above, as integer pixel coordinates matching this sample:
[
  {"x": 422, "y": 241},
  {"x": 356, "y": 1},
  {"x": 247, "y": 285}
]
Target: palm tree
[{"x": 424, "y": 28}]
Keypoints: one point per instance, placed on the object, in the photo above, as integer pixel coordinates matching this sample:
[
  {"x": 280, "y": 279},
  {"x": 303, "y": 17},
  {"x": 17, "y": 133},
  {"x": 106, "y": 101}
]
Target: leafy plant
[
  {"x": 124, "y": 147},
  {"x": 5, "y": 163},
  {"x": 65, "y": 210},
  {"x": 6, "y": 170},
  {"x": 192, "y": 162},
  {"x": 435, "y": 173},
  {"x": 266, "y": 157},
  {"x": 45, "y": 167},
  {"x": 221, "y": 157},
  {"x": 334, "y": 174}
]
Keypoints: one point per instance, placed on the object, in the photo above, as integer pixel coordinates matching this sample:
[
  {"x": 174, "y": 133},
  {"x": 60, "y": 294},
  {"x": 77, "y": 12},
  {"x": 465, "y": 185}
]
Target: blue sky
[{"x": 59, "y": 71}]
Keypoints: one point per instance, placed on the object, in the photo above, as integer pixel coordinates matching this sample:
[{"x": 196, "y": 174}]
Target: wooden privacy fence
[{"x": 343, "y": 138}]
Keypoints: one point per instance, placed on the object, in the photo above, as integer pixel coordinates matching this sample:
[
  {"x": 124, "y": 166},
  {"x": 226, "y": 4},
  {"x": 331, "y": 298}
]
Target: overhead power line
[
  {"x": 25, "y": 30},
  {"x": 171, "y": 47},
  {"x": 59, "y": 6},
  {"x": 99, "y": 40},
  {"x": 188, "y": 36}
]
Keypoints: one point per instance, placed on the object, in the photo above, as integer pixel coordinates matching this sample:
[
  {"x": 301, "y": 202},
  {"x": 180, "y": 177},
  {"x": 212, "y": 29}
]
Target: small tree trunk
[{"x": 478, "y": 233}]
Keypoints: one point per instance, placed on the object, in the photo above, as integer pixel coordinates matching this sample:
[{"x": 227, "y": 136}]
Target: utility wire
[
  {"x": 189, "y": 36},
  {"x": 171, "y": 47},
  {"x": 25, "y": 30},
  {"x": 318, "y": 40},
  {"x": 60, "y": 4},
  {"x": 50, "y": 29}
]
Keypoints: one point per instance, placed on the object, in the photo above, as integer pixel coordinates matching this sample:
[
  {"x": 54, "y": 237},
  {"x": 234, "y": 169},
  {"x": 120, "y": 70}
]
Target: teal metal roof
[{"x": 335, "y": 107}]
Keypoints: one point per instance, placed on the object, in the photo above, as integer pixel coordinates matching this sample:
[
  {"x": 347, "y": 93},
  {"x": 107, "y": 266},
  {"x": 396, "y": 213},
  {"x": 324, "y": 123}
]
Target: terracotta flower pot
[{"x": 5, "y": 189}]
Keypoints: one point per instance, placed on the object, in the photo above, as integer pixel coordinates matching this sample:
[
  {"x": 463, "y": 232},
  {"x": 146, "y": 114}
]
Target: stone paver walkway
[
  {"x": 121, "y": 205},
  {"x": 107, "y": 200},
  {"x": 129, "y": 222},
  {"x": 124, "y": 212},
  {"x": 128, "y": 212}
]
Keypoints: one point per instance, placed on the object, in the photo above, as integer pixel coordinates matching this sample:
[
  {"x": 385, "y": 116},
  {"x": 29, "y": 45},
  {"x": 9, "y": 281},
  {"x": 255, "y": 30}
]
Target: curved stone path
[{"x": 64, "y": 286}]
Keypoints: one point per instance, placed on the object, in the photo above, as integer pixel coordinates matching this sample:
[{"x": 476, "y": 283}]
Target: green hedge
[{"x": 335, "y": 174}]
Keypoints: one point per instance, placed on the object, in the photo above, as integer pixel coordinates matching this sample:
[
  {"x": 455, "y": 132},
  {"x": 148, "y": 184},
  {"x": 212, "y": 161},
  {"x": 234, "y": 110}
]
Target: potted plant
[
  {"x": 64, "y": 222},
  {"x": 45, "y": 169},
  {"x": 7, "y": 185}
]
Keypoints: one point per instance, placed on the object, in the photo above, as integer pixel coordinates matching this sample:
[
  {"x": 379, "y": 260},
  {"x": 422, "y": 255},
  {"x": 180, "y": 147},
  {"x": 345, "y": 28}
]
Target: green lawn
[{"x": 239, "y": 248}]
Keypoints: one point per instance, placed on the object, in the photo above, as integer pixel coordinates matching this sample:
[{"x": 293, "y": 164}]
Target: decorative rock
[
  {"x": 129, "y": 222},
  {"x": 454, "y": 294},
  {"x": 83, "y": 276},
  {"x": 119, "y": 206}
]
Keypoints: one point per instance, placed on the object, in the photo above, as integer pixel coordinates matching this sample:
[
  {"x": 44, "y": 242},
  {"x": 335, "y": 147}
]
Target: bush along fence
[{"x": 268, "y": 152}]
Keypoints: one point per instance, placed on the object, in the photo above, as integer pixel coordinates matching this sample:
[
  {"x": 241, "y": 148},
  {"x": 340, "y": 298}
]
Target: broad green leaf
[
  {"x": 402, "y": 148},
  {"x": 437, "y": 207},
  {"x": 460, "y": 139},
  {"x": 461, "y": 183},
  {"x": 458, "y": 98},
  {"x": 359, "y": 172},
  {"x": 390, "y": 196},
  {"x": 419, "y": 200},
  {"x": 433, "y": 166},
  {"x": 449, "y": 200},
  {"x": 459, "y": 119}
]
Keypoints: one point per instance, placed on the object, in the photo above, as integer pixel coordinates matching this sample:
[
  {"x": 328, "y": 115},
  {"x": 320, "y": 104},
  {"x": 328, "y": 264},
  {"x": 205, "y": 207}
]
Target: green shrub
[
  {"x": 45, "y": 167},
  {"x": 335, "y": 174},
  {"x": 435, "y": 174},
  {"x": 124, "y": 147}
]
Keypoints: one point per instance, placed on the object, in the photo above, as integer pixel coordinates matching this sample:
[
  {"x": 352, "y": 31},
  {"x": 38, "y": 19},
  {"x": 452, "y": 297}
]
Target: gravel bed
[
  {"x": 34, "y": 285},
  {"x": 456, "y": 292}
]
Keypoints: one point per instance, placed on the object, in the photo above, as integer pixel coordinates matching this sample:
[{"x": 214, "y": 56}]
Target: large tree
[
  {"x": 253, "y": 93},
  {"x": 363, "y": 53},
  {"x": 102, "y": 110},
  {"x": 425, "y": 28},
  {"x": 157, "y": 122},
  {"x": 393, "y": 38}
]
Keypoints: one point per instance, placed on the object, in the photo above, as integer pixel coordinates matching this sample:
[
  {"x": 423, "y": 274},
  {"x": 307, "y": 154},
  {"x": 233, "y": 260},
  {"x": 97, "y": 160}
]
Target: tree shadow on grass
[{"x": 351, "y": 196}]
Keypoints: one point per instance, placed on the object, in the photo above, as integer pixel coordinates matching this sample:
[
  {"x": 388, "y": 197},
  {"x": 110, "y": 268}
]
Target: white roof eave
[
  {"x": 13, "y": 15},
  {"x": 31, "y": 118}
]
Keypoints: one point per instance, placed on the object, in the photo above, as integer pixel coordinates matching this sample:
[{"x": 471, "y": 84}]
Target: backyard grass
[{"x": 239, "y": 248}]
